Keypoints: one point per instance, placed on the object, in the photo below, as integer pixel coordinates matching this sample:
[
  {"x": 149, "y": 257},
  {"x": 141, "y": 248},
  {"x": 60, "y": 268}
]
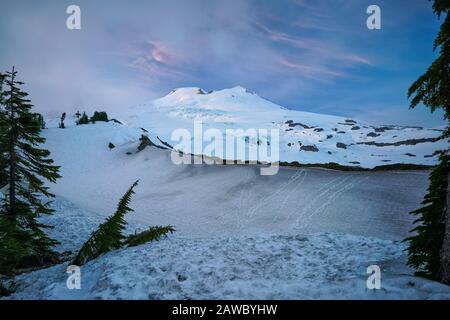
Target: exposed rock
[
  {"x": 356, "y": 128},
  {"x": 410, "y": 154},
  {"x": 145, "y": 142},
  {"x": 341, "y": 145},
  {"x": 341, "y": 132},
  {"x": 383, "y": 129},
  {"x": 373, "y": 134},
  {"x": 311, "y": 148},
  {"x": 111, "y": 146},
  {"x": 354, "y": 162},
  {"x": 409, "y": 142},
  {"x": 318, "y": 129},
  {"x": 115, "y": 121},
  {"x": 164, "y": 143},
  {"x": 304, "y": 126},
  {"x": 329, "y": 136},
  {"x": 432, "y": 155}
]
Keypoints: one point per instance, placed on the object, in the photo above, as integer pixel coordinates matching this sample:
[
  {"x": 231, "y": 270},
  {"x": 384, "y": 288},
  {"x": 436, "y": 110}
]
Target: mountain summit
[{"x": 305, "y": 137}]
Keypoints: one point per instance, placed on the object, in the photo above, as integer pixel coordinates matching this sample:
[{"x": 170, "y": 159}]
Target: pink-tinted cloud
[{"x": 157, "y": 60}]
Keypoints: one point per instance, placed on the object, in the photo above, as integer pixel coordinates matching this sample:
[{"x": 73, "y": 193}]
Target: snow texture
[
  {"x": 315, "y": 266},
  {"x": 366, "y": 145},
  {"x": 300, "y": 234}
]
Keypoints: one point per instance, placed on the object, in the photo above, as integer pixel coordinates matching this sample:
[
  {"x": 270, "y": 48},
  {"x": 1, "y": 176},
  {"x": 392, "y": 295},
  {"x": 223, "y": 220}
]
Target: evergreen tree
[
  {"x": 25, "y": 166},
  {"x": 2, "y": 128},
  {"x": 109, "y": 235},
  {"x": 425, "y": 246},
  {"x": 429, "y": 247},
  {"x": 151, "y": 234},
  {"x": 99, "y": 116},
  {"x": 84, "y": 119},
  {"x": 61, "y": 122},
  {"x": 40, "y": 120}
]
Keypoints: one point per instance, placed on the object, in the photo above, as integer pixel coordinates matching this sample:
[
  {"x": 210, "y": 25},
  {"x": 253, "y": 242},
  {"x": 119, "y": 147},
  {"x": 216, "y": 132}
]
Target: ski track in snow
[
  {"x": 302, "y": 234},
  {"x": 251, "y": 212},
  {"x": 312, "y": 266},
  {"x": 330, "y": 198}
]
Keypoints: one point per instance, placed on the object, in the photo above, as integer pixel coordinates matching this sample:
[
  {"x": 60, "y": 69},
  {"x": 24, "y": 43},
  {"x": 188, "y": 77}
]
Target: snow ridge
[{"x": 305, "y": 137}]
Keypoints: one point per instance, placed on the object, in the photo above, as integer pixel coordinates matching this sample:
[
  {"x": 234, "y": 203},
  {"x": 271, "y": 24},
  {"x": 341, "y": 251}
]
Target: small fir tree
[
  {"x": 429, "y": 247},
  {"x": 84, "y": 119},
  {"x": 25, "y": 167},
  {"x": 109, "y": 235},
  {"x": 61, "y": 122},
  {"x": 99, "y": 116}
]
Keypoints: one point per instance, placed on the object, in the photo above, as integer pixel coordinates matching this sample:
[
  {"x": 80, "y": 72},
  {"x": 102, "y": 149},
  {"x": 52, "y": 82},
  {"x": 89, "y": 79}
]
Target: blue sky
[{"x": 309, "y": 55}]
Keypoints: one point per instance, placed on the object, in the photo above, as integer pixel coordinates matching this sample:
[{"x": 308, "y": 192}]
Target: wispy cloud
[
  {"x": 156, "y": 59},
  {"x": 321, "y": 60},
  {"x": 316, "y": 54},
  {"x": 314, "y": 72}
]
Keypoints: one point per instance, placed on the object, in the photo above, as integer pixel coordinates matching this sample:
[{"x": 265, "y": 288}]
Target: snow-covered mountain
[
  {"x": 300, "y": 234},
  {"x": 307, "y": 138},
  {"x": 304, "y": 233}
]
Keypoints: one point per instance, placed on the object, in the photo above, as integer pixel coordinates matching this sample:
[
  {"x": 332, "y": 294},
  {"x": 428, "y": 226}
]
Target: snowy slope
[
  {"x": 289, "y": 266},
  {"x": 205, "y": 200},
  {"x": 304, "y": 137},
  {"x": 300, "y": 234}
]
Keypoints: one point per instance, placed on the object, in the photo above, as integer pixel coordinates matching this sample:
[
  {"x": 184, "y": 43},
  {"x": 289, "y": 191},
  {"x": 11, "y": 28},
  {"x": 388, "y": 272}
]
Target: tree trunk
[{"x": 445, "y": 250}]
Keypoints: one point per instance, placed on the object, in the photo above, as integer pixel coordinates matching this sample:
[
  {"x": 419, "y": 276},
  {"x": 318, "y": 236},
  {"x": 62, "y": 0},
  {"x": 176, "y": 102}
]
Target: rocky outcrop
[
  {"x": 311, "y": 148},
  {"x": 409, "y": 142},
  {"x": 383, "y": 129},
  {"x": 373, "y": 134},
  {"x": 293, "y": 124}
]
